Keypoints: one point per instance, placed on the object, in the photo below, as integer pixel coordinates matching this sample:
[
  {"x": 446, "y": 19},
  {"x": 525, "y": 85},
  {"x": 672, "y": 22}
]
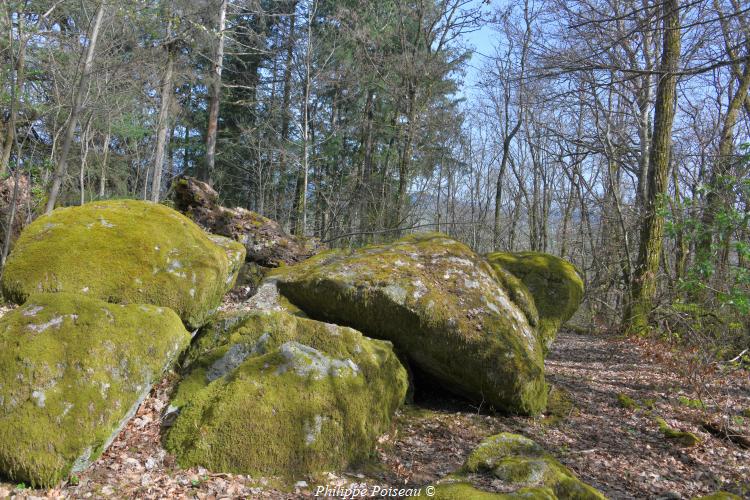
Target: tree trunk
[
  {"x": 84, "y": 157},
  {"x": 105, "y": 157},
  {"x": 285, "y": 115},
  {"x": 16, "y": 91},
  {"x": 643, "y": 286},
  {"x": 300, "y": 196},
  {"x": 722, "y": 167},
  {"x": 215, "y": 96},
  {"x": 162, "y": 126},
  {"x": 405, "y": 159},
  {"x": 70, "y": 126}
]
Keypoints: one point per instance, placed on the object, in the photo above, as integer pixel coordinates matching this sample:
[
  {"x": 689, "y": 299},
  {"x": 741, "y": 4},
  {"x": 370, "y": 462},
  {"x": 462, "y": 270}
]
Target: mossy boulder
[
  {"x": 73, "y": 369},
  {"x": 440, "y": 304},
  {"x": 556, "y": 286},
  {"x": 283, "y": 395},
  {"x": 719, "y": 495},
  {"x": 462, "y": 490},
  {"x": 125, "y": 251},
  {"x": 520, "y": 462}
]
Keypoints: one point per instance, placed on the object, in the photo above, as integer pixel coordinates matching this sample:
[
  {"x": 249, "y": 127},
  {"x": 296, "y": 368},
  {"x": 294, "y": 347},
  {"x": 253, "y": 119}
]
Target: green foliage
[
  {"x": 713, "y": 293},
  {"x": 719, "y": 495}
]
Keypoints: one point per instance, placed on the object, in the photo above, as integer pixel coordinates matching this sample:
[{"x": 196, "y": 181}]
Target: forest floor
[{"x": 615, "y": 448}]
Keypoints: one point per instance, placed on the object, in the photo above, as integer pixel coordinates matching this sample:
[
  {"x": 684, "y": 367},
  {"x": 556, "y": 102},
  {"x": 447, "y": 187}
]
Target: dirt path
[
  {"x": 618, "y": 450},
  {"x": 621, "y": 450}
]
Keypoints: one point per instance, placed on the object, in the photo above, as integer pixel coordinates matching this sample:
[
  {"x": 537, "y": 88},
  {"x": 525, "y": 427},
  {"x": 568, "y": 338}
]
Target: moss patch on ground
[
  {"x": 72, "y": 370},
  {"x": 683, "y": 438},
  {"x": 626, "y": 402},
  {"x": 282, "y": 395},
  {"x": 125, "y": 251},
  {"x": 555, "y": 284},
  {"x": 440, "y": 304}
]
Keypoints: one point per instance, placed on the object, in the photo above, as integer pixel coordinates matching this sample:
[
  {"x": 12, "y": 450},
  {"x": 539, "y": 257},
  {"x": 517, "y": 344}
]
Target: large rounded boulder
[
  {"x": 270, "y": 393},
  {"x": 555, "y": 284},
  {"x": 125, "y": 251},
  {"x": 441, "y": 305},
  {"x": 73, "y": 369}
]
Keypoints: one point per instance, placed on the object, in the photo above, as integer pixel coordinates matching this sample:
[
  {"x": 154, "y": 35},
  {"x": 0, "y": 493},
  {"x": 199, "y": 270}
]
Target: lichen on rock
[
  {"x": 272, "y": 393},
  {"x": 73, "y": 369},
  {"x": 124, "y": 251},
  {"x": 555, "y": 284},
  {"x": 440, "y": 304}
]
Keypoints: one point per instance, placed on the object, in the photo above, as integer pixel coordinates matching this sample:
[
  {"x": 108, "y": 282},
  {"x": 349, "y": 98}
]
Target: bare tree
[{"x": 78, "y": 96}]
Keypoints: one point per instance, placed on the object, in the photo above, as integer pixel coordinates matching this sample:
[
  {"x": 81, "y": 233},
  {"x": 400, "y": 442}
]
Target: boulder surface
[
  {"x": 440, "y": 304},
  {"x": 519, "y": 465},
  {"x": 555, "y": 284},
  {"x": 73, "y": 369},
  {"x": 277, "y": 394},
  {"x": 124, "y": 251}
]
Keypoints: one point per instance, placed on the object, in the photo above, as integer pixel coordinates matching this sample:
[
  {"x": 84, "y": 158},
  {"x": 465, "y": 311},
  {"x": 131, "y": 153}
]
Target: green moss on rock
[
  {"x": 72, "y": 370},
  {"x": 440, "y": 304},
  {"x": 124, "y": 251},
  {"x": 559, "y": 404},
  {"x": 282, "y": 395},
  {"x": 683, "y": 438},
  {"x": 555, "y": 284},
  {"x": 519, "y": 461},
  {"x": 719, "y": 495},
  {"x": 466, "y": 491}
]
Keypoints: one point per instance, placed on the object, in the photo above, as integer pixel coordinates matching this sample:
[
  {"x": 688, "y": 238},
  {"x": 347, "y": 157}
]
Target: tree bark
[
  {"x": 643, "y": 286},
  {"x": 16, "y": 91},
  {"x": 215, "y": 96},
  {"x": 285, "y": 115},
  {"x": 162, "y": 125}
]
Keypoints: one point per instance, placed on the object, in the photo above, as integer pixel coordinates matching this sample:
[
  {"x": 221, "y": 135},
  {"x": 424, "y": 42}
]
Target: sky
[{"x": 482, "y": 42}]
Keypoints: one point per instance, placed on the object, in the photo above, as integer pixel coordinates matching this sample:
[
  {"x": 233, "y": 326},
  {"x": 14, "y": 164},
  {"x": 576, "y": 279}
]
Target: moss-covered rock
[
  {"x": 272, "y": 393},
  {"x": 683, "y": 438},
  {"x": 73, "y": 369},
  {"x": 555, "y": 284},
  {"x": 124, "y": 251},
  {"x": 440, "y": 304},
  {"x": 462, "y": 490},
  {"x": 719, "y": 495},
  {"x": 519, "y": 461}
]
